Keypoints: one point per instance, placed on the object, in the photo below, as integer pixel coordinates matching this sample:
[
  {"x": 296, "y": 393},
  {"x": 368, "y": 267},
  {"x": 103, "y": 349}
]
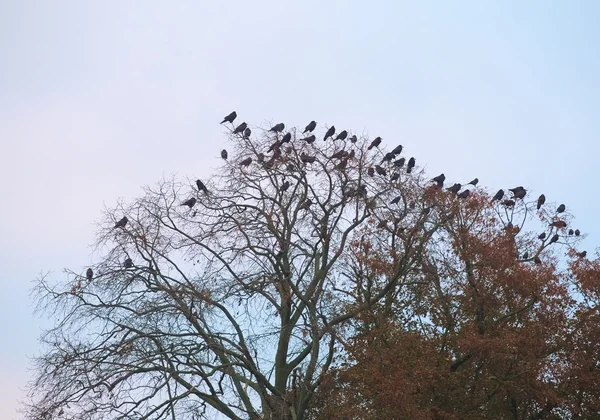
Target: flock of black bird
[{"x": 518, "y": 193}]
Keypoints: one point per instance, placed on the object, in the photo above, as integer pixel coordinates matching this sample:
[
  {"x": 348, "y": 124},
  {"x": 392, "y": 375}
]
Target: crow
[
  {"x": 397, "y": 150},
  {"x": 310, "y": 139},
  {"x": 89, "y": 274},
  {"x": 307, "y": 158},
  {"x": 224, "y": 154},
  {"x": 230, "y": 118},
  {"x": 560, "y": 224},
  {"x": 342, "y": 165},
  {"x": 201, "y": 186},
  {"x": 247, "y": 133},
  {"x": 541, "y": 200},
  {"x": 380, "y": 170},
  {"x": 498, "y": 195},
  {"x": 128, "y": 263},
  {"x": 581, "y": 254},
  {"x": 286, "y": 138},
  {"x": 508, "y": 203},
  {"x": 571, "y": 232},
  {"x": 399, "y": 163},
  {"x": 284, "y": 186},
  {"x": 353, "y": 139},
  {"x": 537, "y": 260},
  {"x": 455, "y": 188},
  {"x": 277, "y": 128},
  {"x": 382, "y": 224},
  {"x": 396, "y": 200},
  {"x": 310, "y": 127},
  {"x": 526, "y": 255},
  {"x": 342, "y": 135},
  {"x": 190, "y": 203},
  {"x": 388, "y": 157},
  {"x": 371, "y": 171},
  {"x": 439, "y": 179},
  {"x": 340, "y": 154},
  {"x": 474, "y": 182},
  {"x": 240, "y": 128},
  {"x": 464, "y": 194},
  {"x": 375, "y": 143},
  {"x": 246, "y": 162},
  {"x": 554, "y": 238},
  {"x": 330, "y": 132},
  {"x": 395, "y": 176},
  {"x": 518, "y": 192},
  {"x": 274, "y": 146},
  {"x": 122, "y": 222},
  {"x": 411, "y": 165},
  {"x": 561, "y": 208},
  {"x": 577, "y": 232},
  {"x": 542, "y": 236},
  {"x": 306, "y": 205},
  {"x": 290, "y": 167}
]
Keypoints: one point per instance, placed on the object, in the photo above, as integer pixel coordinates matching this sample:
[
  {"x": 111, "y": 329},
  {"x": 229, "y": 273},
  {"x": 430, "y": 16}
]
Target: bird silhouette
[
  {"x": 284, "y": 187},
  {"x": 559, "y": 224},
  {"x": 307, "y": 158},
  {"x": 230, "y": 118},
  {"x": 89, "y": 274},
  {"x": 474, "y": 182},
  {"x": 396, "y": 200},
  {"x": 395, "y": 176},
  {"x": 518, "y": 192},
  {"x": 121, "y": 223},
  {"x": 455, "y": 188},
  {"x": 526, "y": 255},
  {"x": 274, "y": 146},
  {"x": 577, "y": 232},
  {"x": 190, "y": 203},
  {"x": 571, "y": 232},
  {"x": 411, "y": 165},
  {"x": 310, "y": 139},
  {"x": 554, "y": 238},
  {"x": 240, "y": 128},
  {"x": 128, "y": 263},
  {"x": 464, "y": 194},
  {"x": 380, "y": 170},
  {"x": 340, "y": 154},
  {"x": 581, "y": 254},
  {"x": 397, "y": 150},
  {"x": 540, "y": 201},
  {"x": 542, "y": 236},
  {"x": 537, "y": 260},
  {"x": 399, "y": 163},
  {"x": 353, "y": 139},
  {"x": 224, "y": 154},
  {"x": 330, "y": 132},
  {"x": 310, "y": 127},
  {"x": 247, "y": 133},
  {"x": 371, "y": 171},
  {"x": 201, "y": 186},
  {"x": 306, "y": 205},
  {"x": 246, "y": 162},
  {"x": 498, "y": 195},
  {"x": 277, "y": 128},
  {"x": 286, "y": 138},
  {"x": 508, "y": 203},
  {"x": 375, "y": 143},
  {"x": 342, "y": 135},
  {"x": 561, "y": 208},
  {"x": 342, "y": 165},
  {"x": 439, "y": 179},
  {"x": 388, "y": 157}
]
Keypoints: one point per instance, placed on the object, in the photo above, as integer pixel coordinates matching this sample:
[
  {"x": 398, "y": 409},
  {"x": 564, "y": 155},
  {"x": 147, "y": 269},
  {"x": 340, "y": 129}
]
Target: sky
[{"x": 99, "y": 98}]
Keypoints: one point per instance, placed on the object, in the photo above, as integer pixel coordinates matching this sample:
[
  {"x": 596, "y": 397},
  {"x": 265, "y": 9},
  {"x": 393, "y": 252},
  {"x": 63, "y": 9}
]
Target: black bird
[
  {"x": 246, "y": 162},
  {"x": 277, "y": 128},
  {"x": 310, "y": 139},
  {"x": 340, "y": 154},
  {"x": 571, "y": 232},
  {"x": 190, "y": 203},
  {"x": 380, "y": 170},
  {"x": 371, "y": 171},
  {"x": 284, "y": 186},
  {"x": 224, "y": 154},
  {"x": 439, "y": 179},
  {"x": 577, "y": 232},
  {"x": 310, "y": 127},
  {"x": 89, "y": 274},
  {"x": 396, "y": 200},
  {"x": 464, "y": 194},
  {"x": 397, "y": 150},
  {"x": 201, "y": 186},
  {"x": 554, "y": 238},
  {"x": 518, "y": 192},
  {"x": 329, "y": 132},
  {"x": 240, "y": 128},
  {"x": 230, "y": 118},
  {"x": 399, "y": 163},
  {"x": 375, "y": 143},
  {"x": 353, "y": 139},
  {"x": 287, "y": 138},
  {"x": 122, "y": 222},
  {"x": 128, "y": 263},
  {"x": 541, "y": 201},
  {"x": 342, "y": 135},
  {"x": 498, "y": 195},
  {"x": 542, "y": 236},
  {"x": 411, "y": 165},
  {"x": 454, "y": 188},
  {"x": 526, "y": 255},
  {"x": 306, "y": 205},
  {"x": 307, "y": 158},
  {"x": 274, "y": 146},
  {"x": 508, "y": 203},
  {"x": 581, "y": 254},
  {"x": 474, "y": 182},
  {"x": 395, "y": 176},
  {"x": 561, "y": 208},
  {"x": 388, "y": 157},
  {"x": 559, "y": 224},
  {"x": 247, "y": 133},
  {"x": 342, "y": 165},
  {"x": 537, "y": 260}
]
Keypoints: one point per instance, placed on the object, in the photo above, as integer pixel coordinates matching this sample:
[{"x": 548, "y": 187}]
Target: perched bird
[
  {"x": 351, "y": 154},
  {"x": 542, "y": 236},
  {"x": 247, "y": 133},
  {"x": 122, "y": 222},
  {"x": 375, "y": 143},
  {"x": 277, "y": 128},
  {"x": 498, "y": 195},
  {"x": 286, "y": 138},
  {"x": 284, "y": 186},
  {"x": 439, "y": 179},
  {"x": 201, "y": 186},
  {"x": 224, "y": 154},
  {"x": 306, "y": 205},
  {"x": 310, "y": 127},
  {"x": 382, "y": 224},
  {"x": 371, "y": 171},
  {"x": 455, "y": 188},
  {"x": 274, "y": 146},
  {"x": 397, "y": 150},
  {"x": 388, "y": 157},
  {"x": 342, "y": 135},
  {"x": 525, "y": 255},
  {"x": 340, "y": 154},
  {"x": 581, "y": 254},
  {"x": 330, "y": 132},
  {"x": 399, "y": 163},
  {"x": 474, "y": 182},
  {"x": 89, "y": 274},
  {"x": 571, "y": 232},
  {"x": 541, "y": 200},
  {"x": 537, "y": 260},
  {"x": 518, "y": 192},
  {"x": 246, "y": 162},
  {"x": 240, "y": 128},
  {"x": 353, "y": 139},
  {"x": 230, "y": 118},
  {"x": 560, "y": 224},
  {"x": 464, "y": 194},
  {"x": 561, "y": 208},
  {"x": 554, "y": 238},
  {"x": 577, "y": 232},
  {"x": 307, "y": 158},
  {"x": 396, "y": 200},
  {"x": 310, "y": 139},
  {"x": 411, "y": 165},
  {"x": 190, "y": 203},
  {"x": 128, "y": 263},
  {"x": 342, "y": 165},
  {"x": 290, "y": 167},
  {"x": 395, "y": 176},
  {"x": 508, "y": 203},
  {"x": 380, "y": 170}
]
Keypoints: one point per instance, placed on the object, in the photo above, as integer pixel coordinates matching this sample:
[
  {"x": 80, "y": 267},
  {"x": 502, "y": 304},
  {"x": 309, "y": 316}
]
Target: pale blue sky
[{"x": 99, "y": 98}]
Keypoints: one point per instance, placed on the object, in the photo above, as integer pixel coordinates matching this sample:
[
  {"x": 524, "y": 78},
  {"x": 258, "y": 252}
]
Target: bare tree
[{"x": 232, "y": 305}]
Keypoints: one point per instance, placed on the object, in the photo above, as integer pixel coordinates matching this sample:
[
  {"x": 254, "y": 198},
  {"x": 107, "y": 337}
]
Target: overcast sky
[{"x": 98, "y": 98}]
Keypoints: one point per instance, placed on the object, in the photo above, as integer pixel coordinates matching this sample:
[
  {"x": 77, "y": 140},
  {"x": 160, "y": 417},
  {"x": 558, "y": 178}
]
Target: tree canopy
[{"x": 323, "y": 277}]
